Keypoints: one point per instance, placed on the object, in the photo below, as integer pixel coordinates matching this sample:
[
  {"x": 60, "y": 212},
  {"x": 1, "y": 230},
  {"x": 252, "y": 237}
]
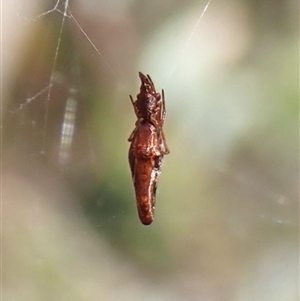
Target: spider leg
[
  {"x": 131, "y": 100},
  {"x": 151, "y": 82},
  {"x": 164, "y": 142},
  {"x": 163, "y": 116},
  {"x": 160, "y": 111},
  {"x": 132, "y": 134},
  {"x": 162, "y": 120},
  {"x": 134, "y": 107}
]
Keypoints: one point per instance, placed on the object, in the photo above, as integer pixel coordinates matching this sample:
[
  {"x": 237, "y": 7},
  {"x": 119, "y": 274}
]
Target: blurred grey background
[{"x": 227, "y": 215}]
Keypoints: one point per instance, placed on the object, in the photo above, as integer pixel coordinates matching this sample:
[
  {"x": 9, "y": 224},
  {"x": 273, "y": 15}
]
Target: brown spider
[{"x": 148, "y": 146}]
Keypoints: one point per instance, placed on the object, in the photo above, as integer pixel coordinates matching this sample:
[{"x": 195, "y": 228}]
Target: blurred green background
[{"x": 227, "y": 214}]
